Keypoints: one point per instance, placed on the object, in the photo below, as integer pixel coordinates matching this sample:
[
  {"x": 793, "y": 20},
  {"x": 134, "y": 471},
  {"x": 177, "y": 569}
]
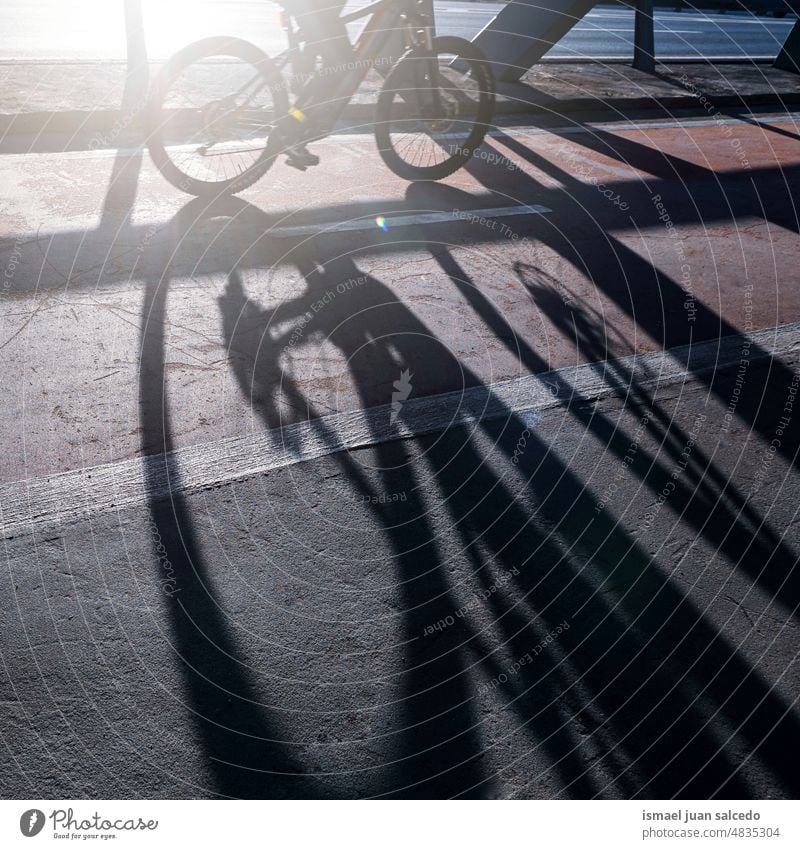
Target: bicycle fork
[{"x": 426, "y": 73}]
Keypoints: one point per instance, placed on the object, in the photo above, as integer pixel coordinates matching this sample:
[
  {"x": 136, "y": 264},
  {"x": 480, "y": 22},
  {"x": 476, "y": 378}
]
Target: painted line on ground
[
  {"x": 29, "y": 504},
  {"x": 371, "y": 223}
]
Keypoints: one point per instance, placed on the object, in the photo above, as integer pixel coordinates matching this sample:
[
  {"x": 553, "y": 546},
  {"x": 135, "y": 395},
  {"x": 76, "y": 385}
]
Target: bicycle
[{"x": 433, "y": 109}]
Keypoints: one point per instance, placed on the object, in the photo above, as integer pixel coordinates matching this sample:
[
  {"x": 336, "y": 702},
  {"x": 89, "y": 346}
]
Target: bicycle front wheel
[
  {"x": 212, "y": 109},
  {"x": 434, "y": 109}
]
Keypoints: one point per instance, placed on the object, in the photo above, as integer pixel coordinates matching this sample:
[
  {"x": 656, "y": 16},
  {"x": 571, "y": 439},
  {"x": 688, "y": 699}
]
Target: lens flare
[{"x": 382, "y": 223}]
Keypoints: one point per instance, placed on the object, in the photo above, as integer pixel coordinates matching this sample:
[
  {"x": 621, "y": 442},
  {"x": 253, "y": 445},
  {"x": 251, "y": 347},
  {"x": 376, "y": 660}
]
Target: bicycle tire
[
  {"x": 480, "y": 72},
  {"x": 207, "y": 48}
]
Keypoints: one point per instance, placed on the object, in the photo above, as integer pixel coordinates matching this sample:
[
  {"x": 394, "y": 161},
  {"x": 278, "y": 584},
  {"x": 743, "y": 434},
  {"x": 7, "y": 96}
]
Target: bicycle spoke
[
  {"x": 428, "y": 127},
  {"x": 220, "y": 117}
]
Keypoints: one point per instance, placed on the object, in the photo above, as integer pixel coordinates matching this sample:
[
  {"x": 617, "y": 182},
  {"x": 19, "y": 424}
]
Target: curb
[
  {"x": 623, "y": 105},
  {"x": 102, "y": 128}
]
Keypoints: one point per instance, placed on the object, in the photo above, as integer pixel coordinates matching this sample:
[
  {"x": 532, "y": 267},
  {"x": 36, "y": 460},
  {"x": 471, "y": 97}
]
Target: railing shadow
[
  {"x": 703, "y": 496},
  {"x": 630, "y": 281},
  {"x": 626, "y": 649}
]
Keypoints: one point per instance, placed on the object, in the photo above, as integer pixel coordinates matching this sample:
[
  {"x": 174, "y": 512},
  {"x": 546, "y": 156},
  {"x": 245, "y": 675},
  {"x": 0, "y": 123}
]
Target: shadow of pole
[
  {"x": 248, "y": 755},
  {"x": 122, "y": 186},
  {"x": 757, "y": 713}
]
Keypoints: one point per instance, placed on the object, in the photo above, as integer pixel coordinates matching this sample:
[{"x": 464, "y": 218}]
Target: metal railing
[
  {"x": 524, "y": 30},
  {"x": 644, "y": 58}
]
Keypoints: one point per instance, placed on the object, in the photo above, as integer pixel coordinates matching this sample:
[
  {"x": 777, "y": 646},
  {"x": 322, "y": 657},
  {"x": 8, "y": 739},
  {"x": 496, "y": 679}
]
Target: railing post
[
  {"x": 789, "y": 57},
  {"x": 524, "y": 30},
  {"x": 644, "y": 43},
  {"x": 137, "y": 72},
  {"x": 427, "y": 6}
]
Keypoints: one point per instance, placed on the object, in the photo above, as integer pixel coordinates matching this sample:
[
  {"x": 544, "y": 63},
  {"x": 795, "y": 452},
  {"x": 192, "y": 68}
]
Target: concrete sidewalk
[{"x": 82, "y": 100}]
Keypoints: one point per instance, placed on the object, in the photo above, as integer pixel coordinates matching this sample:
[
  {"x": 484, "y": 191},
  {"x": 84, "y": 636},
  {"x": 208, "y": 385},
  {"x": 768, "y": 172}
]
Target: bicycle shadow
[
  {"x": 434, "y": 750},
  {"x": 627, "y": 652}
]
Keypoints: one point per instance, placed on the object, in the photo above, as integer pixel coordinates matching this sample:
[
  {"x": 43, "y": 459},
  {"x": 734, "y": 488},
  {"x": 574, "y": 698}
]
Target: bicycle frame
[{"x": 386, "y": 19}]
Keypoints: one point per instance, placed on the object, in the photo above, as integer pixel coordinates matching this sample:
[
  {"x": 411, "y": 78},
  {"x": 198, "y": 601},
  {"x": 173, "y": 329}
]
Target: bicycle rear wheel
[
  {"x": 212, "y": 111},
  {"x": 434, "y": 109}
]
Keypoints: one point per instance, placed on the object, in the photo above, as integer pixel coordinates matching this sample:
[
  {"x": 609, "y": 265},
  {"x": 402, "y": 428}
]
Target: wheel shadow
[{"x": 249, "y": 755}]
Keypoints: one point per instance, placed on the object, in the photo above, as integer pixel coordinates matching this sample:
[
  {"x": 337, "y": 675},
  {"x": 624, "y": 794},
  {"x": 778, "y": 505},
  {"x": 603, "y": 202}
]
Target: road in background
[{"x": 48, "y": 30}]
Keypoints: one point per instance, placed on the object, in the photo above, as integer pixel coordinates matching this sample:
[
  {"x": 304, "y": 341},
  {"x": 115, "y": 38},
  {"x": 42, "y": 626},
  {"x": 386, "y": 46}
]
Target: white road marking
[
  {"x": 392, "y": 221},
  {"x": 598, "y": 30},
  {"x": 659, "y": 124},
  {"x": 69, "y": 496}
]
